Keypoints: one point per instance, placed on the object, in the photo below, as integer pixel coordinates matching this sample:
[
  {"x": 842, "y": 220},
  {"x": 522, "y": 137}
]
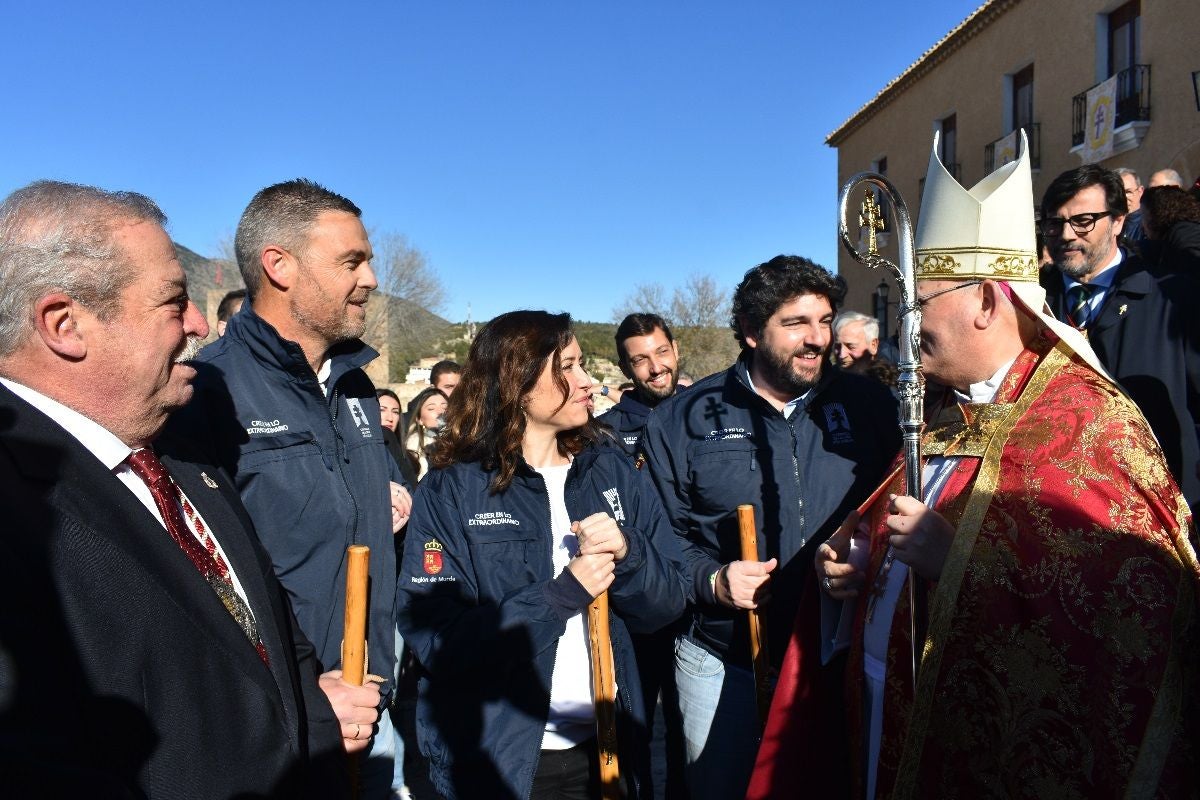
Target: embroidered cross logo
[{"x": 715, "y": 412}]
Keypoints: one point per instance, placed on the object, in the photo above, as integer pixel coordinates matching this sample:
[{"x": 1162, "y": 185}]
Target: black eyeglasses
[
  {"x": 1080, "y": 223},
  {"x": 923, "y": 299}
]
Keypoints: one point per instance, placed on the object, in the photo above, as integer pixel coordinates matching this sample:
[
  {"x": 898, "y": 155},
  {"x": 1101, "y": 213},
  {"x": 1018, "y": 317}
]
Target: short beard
[
  {"x": 651, "y": 396},
  {"x": 1093, "y": 261},
  {"x": 781, "y": 374},
  {"x": 1074, "y": 271}
]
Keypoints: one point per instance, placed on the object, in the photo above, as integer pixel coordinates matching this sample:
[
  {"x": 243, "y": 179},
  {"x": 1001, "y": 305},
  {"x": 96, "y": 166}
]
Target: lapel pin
[
  {"x": 1121, "y": 311},
  {"x": 209, "y": 482}
]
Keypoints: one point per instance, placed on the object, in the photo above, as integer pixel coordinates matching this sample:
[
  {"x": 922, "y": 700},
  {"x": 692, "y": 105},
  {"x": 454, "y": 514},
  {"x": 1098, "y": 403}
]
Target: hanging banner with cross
[{"x": 1100, "y": 121}]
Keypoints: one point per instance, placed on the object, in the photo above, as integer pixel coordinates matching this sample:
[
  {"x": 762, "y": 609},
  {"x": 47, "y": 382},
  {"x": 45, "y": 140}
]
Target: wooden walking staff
[
  {"x": 911, "y": 384},
  {"x": 758, "y": 642},
  {"x": 604, "y": 690},
  {"x": 354, "y": 632}
]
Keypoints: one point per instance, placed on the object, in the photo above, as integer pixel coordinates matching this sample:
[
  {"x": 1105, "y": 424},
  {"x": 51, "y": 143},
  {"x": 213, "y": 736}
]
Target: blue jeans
[
  {"x": 398, "y": 771},
  {"x": 720, "y": 722},
  {"x": 377, "y": 765}
]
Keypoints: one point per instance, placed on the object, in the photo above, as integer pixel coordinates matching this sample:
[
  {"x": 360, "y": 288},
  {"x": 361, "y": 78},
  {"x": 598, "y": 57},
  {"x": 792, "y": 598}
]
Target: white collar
[
  {"x": 985, "y": 390},
  {"x": 98, "y": 440},
  {"x": 789, "y": 406}
]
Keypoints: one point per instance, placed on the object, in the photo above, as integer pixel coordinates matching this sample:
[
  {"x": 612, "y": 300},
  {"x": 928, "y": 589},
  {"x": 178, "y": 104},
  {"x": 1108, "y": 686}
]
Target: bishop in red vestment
[{"x": 1056, "y": 622}]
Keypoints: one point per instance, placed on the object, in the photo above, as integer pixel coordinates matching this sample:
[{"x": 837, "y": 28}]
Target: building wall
[{"x": 1059, "y": 39}]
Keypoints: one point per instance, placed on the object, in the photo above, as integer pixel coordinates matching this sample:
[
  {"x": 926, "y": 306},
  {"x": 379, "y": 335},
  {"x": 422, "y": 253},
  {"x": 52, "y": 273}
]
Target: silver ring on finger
[
  {"x": 828, "y": 584},
  {"x": 357, "y": 731}
]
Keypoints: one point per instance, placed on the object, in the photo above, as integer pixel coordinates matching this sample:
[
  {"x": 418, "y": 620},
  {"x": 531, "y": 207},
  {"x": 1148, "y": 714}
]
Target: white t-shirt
[{"x": 572, "y": 710}]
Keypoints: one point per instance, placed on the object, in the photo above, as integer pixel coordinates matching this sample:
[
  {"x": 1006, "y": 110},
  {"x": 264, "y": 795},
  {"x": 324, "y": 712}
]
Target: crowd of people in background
[{"x": 182, "y": 516}]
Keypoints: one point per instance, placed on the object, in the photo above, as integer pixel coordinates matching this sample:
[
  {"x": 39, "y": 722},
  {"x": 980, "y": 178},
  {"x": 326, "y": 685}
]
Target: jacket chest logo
[
  {"x": 359, "y": 415},
  {"x": 266, "y": 426},
  {"x": 727, "y": 433},
  {"x": 493, "y": 518},
  {"x": 837, "y": 423},
  {"x": 433, "y": 557},
  {"x": 614, "y": 502}
]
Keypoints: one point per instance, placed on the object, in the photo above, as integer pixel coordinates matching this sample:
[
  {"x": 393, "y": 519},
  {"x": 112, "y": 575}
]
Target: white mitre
[{"x": 988, "y": 232}]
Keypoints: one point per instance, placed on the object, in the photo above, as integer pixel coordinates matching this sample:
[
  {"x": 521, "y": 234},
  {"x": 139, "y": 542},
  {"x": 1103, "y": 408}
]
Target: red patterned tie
[{"x": 207, "y": 559}]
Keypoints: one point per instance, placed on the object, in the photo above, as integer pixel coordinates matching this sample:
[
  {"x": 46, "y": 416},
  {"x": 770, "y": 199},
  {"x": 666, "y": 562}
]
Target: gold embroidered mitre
[{"x": 985, "y": 232}]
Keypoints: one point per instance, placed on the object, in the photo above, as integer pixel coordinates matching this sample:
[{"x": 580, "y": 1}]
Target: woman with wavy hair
[
  {"x": 425, "y": 415},
  {"x": 526, "y": 517}
]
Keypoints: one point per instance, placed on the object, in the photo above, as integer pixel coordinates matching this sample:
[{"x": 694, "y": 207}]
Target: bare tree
[
  {"x": 646, "y": 298},
  {"x": 402, "y": 317},
  {"x": 700, "y": 303},
  {"x": 404, "y": 272},
  {"x": 698, "y": 315}
]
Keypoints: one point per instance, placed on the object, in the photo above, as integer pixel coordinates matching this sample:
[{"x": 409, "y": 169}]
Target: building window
[
  {"x": 1022, "y": 100},
  {"x": 885, "y": 205},
  {"x": 1124, "y": 37},
  {"x": 948, "y": 144}
]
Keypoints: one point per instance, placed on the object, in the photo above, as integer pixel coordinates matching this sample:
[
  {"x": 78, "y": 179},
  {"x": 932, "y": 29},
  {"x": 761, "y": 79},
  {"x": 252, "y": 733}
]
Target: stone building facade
[{"x": 1029, "y": 64}]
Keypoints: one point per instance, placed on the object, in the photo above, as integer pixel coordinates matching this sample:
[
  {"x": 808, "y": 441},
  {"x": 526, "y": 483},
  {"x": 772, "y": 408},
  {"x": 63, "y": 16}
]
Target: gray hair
[
  {"x": 57, "y": 237},
  {"x": 1127, "y": 171},
  {"x": 870, "y": 324},
  {"x": 1169, "y": 177},
  {"x": 281, "y": 215}
]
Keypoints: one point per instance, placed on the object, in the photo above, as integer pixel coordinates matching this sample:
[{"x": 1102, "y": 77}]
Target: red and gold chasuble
[{"x": 1059, "y": 647}]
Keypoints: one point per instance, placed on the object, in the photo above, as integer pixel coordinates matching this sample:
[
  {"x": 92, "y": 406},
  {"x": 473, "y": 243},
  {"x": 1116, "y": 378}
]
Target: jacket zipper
[
  {"x": 339, "y": 453},
  {"x": 537, "y": 753}
]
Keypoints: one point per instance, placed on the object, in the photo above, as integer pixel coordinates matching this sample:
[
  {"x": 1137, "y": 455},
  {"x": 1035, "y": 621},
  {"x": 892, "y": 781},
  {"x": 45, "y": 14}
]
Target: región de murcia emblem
[{"x": 433, "y": 557}]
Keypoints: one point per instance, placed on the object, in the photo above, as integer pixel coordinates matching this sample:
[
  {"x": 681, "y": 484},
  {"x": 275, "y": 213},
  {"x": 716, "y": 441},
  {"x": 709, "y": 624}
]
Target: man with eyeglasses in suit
[{"x": 1136, "y": 321}]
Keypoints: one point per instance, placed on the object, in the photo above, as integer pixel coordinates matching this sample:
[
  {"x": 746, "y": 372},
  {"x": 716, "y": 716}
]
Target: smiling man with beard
[
  {"x": 295, "y": 420},
  {"x": 649, "y": 357},
  {"x": 800, "y": 441}
]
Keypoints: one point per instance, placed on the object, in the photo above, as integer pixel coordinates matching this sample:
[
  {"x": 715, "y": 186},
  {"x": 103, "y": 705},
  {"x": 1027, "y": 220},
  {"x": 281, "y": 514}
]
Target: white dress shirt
[{"x": 112, "y": 453}]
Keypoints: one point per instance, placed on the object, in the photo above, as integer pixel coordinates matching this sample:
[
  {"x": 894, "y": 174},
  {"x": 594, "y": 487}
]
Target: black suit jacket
[
  {"x": 121, "y": 673},
  {"x": 1147, "y": 335}
]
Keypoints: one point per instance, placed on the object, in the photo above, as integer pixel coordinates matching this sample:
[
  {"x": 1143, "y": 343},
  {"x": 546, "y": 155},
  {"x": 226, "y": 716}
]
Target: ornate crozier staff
[{"x": 911, "y": 383}]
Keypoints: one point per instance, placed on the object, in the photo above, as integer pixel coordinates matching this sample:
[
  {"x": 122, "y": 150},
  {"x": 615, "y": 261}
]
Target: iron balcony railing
[
  {"x": 1034, "y": 132},
  {"x": 1133, "y": 101}
]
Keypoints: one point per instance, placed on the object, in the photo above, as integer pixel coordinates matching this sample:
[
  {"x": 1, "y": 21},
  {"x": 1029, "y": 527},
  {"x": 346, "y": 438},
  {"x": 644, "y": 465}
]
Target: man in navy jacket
[
  {"x": 801, "y": 442},
  {"x": 649, "y": 356},
  {"x": 283, "y": 399}
]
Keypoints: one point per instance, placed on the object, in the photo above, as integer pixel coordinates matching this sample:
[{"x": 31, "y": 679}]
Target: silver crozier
[{"x": 911, "y": 383}]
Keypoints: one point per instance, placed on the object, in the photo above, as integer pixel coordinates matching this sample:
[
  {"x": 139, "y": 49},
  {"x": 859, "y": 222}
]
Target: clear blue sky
[{"x": 542, "y": 154}]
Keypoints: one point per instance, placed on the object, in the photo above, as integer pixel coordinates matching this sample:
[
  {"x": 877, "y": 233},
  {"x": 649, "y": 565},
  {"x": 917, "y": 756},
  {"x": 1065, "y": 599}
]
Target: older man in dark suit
[{"x": 146, "y": 648}]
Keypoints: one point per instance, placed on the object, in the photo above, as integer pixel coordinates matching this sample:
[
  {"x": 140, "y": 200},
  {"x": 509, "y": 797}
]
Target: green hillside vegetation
[{"x": 413, "y": 333}]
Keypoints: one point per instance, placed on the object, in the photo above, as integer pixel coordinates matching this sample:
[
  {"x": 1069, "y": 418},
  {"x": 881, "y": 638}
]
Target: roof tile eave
[{"x": 966, "y": 29}]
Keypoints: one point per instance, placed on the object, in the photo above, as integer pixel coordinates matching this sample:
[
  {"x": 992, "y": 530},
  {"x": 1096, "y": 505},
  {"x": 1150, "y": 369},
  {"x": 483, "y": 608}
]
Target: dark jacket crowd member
[
  {"x": 802, "y": 442},
  {"x": 391, "y": 419},
  {"x": 285, "y": 402},
  {"x": 649, "y": 356},
  {"x": 524, "y": 519},
  {"x": 1139, "y": 323},
  {"x": 1171, "y": 217},
  {"x": 146, "y": 648}
]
